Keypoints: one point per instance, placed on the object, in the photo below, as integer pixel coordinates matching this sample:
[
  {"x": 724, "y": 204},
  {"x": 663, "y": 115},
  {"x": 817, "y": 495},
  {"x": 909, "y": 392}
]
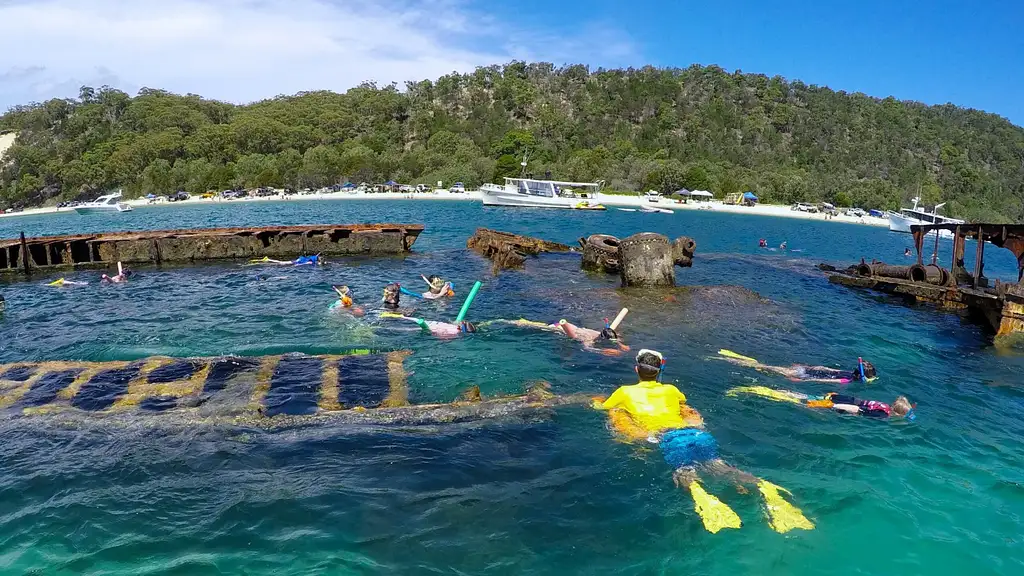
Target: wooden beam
[{"x": 979, "y": 255}]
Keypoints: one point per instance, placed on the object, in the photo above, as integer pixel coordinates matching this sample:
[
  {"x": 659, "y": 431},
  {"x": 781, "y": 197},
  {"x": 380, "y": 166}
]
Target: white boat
[
  {"x": 908, "y": 217},
  {"x": 530, "y": 193},
  {"x": 653, "y": 210},
  {"x": 107, "y": 203}
]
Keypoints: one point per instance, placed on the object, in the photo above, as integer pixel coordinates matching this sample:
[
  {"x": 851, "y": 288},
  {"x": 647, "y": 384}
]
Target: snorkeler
[
  {"x": 864, "y": 371},
  {"x": 907, "y": 253},
  {"x": 3, "y": 304},
  {"x": 762, "y": 243},
  {"x": 435, "y": 328},
  {"x": 658, "y": 413},
  {"x": 783, "y": 245},
  {"x": 122, "y": 276},
  {"x": 589, "y": 338},
  {"x": 439, "y": 288},
  {"x": 344, "y": 302},
  {"x": 314, "y": 260},
  {"x": 392, "y": 296},
  {"x": 62, "y": 282},
  {"x": 844, "y": 403}
]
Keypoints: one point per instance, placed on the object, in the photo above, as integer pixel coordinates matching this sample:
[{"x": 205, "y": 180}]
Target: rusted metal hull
[
  {"x": 265, "y": 392},
  {"x": 1001, "y": 310},
  {"x": 25, "y": 255}
]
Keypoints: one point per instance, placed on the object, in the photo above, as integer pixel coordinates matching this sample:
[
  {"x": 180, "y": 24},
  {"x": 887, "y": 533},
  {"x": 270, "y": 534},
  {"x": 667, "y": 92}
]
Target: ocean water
[{"x": 546, "y": 494}]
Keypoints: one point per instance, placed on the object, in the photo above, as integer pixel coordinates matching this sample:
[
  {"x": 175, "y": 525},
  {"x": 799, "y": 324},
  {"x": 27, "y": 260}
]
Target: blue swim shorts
[{"x": 688, "y": 446}]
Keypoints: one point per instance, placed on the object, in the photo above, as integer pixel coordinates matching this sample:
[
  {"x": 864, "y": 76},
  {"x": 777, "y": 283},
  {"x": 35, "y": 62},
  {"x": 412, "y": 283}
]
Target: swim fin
[
  {"x": 735, "y": 356},
  {"x": 762, "y": 391},
  {"x": 57, "y": 282},
  {"x": 713, "y": 512},
  {"x": 391, "y": 315},
  {"x": 782, "y": 516}
]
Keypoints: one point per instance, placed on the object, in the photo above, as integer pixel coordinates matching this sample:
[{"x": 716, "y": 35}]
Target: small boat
[
  {"x": 584, "y": 205},
  {"x": 652, "y": 210},
  {"x": 107, "y": 203},
  {"x": 908, "y": 217},
  {"x": 626, "y": 209},
  {"x": 533, "y": 193}
]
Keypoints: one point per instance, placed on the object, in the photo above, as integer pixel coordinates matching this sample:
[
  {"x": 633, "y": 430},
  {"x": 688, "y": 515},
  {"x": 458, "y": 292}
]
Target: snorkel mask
[
  {"x": 860, "y": 371},
  {"x": 466, "y": 327},
  {"x": 343, "y": 295},
  {"x": 608, "y": 333},
  {"x": 392, "y": 295},
  {"x": 661, "y": 360}
]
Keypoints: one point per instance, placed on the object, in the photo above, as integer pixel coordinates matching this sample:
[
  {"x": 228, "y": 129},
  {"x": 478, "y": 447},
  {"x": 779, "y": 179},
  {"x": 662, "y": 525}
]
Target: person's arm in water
[{"x": 614, "y": 401}]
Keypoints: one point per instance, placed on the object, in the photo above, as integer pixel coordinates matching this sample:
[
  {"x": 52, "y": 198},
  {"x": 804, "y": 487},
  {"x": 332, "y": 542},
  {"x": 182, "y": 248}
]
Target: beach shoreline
[{"x": 612, "y": 201}]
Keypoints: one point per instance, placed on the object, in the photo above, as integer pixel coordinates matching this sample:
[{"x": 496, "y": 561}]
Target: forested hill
[{"x": 636, "y": 129}]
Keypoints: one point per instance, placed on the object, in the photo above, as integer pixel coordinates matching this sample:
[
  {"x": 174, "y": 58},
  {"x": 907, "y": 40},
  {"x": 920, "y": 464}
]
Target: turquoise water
[{"x": 546, "y": 494}]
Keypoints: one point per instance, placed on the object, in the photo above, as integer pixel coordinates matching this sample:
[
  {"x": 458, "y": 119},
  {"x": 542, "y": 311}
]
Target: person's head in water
[
  {"x": 649, "y": 364},
  {"x": 864, "y": 371},
  {"x": 3, "y": 303},
  {"x": 609, "y": 334},
  {"x": 436, "y": 283},
  {"x": 906, "y": 251},
  {"x": 467, "y": 327},
  {"x": 344, "y": 295},
  {"x": 902, "y": 407},
  {"x": 392, "y": 295}
]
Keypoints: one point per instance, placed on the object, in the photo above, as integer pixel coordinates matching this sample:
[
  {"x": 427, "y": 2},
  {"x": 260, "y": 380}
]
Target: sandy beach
[{"x": 612, "y": 201}]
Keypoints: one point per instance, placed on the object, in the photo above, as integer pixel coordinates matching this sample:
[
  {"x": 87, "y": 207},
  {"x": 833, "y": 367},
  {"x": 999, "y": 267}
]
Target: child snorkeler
[
  {"x": 843, "y": 403},
  {"x": 864, "y": 371}
]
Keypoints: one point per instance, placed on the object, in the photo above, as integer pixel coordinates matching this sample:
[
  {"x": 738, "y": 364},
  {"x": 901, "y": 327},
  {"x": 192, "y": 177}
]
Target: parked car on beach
[{"x": 804, "y": 207}]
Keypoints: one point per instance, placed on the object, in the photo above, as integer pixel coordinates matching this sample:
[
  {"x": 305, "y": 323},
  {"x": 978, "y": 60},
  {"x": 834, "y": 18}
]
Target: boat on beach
[
  {"x": 907, "y": 217},
  {"x": 106, "y": 203},
  {"x": 532, "y": 193},
  {"x": 653, "y": 210}
]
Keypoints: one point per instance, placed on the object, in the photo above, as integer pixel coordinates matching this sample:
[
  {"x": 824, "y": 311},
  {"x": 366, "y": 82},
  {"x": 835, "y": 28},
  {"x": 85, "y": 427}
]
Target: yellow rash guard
[{"x": 653, "y": 405}]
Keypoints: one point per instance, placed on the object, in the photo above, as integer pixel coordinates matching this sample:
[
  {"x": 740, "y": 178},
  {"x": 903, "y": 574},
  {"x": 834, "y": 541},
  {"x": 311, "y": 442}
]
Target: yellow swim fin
[
  {"x": 391, "y": 315},
  {"x": 57, "y": 282},
  {"x": 782, "y": 516},
  {"x": 735, "y": 356},
  {"x": 762, "y": 391},
  {"x": 713, "y": 512},
  {"x": 259, "y": 260}
]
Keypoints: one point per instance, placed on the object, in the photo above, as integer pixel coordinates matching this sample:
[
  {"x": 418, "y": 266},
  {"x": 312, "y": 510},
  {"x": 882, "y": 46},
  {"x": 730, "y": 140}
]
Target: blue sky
[{"x": 968, "y": 53}]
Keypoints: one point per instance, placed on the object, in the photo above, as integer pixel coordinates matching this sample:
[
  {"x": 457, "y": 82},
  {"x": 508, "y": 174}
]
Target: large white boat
[
  {"x": 907, "y": 217},
  {"x": 107, "y": 203},
  {"x": 530, "y": 193}
]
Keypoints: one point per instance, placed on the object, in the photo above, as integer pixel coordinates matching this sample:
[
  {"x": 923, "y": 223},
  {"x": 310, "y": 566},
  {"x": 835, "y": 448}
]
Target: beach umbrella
[{"x": 682, "y": 192}]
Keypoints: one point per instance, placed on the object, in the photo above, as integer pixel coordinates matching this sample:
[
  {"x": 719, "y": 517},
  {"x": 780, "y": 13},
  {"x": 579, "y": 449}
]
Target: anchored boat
[
  {"x": 107, "y": 203},
  {"x": 531, "y": 193},
  {"x": 908, "y": 217}
]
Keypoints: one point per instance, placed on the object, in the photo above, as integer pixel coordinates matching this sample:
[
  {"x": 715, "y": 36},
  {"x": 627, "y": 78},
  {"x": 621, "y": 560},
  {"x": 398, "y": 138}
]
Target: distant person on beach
[
  {"x": 658, "y": 413},
  {"x": 863, "y": 372},
  {"x": 843, "y": 403}
]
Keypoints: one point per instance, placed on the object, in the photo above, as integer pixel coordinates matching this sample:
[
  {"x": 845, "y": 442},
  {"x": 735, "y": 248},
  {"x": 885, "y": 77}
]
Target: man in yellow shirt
[{"x": 658, "y": 413}]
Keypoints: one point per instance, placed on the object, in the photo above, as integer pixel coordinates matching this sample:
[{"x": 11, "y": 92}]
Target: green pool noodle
[{"x": 469, "y": 300}]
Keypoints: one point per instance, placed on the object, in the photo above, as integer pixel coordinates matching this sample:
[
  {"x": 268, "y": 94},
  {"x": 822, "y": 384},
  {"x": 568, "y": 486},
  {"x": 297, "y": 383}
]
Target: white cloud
[{"x": 245, "y": 50}]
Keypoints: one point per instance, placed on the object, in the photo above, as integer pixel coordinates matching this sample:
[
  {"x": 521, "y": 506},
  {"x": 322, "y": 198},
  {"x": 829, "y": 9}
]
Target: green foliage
[{"x": 636, "y": 129}]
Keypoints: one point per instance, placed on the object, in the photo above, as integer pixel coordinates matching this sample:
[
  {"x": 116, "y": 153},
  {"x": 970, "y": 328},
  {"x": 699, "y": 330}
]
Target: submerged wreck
[
  {"x": 264, "y": 392},
  {"x": 999, "y": 307},
  {"x": 26, "y": 255}
]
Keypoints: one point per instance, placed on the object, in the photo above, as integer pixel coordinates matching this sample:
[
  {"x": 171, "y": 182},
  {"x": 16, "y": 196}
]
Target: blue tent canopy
[
  {"x": 348, "y": 185},
  {"x": 150, "y": 196},
  {"x": 391, "y": 183},
  {"x": 749, "y": 196}
]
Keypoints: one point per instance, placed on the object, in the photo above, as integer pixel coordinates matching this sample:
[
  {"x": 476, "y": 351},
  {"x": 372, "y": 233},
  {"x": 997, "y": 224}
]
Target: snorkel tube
[
  {"x": 618, "y": 319},
  {"x": 468, "y": 302}
]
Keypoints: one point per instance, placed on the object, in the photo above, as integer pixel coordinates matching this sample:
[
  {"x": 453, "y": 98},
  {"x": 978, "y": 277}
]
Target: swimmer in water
[
  {"x": 314, "y": 260},
  {"x": 843, "y": 403},
  {"x": 345, "y": 303},
  {"x": 122, "y": 275},
  {"x": 782, "y": 246},
  {"x": 439, "y": 288},
  {"x": 762, "y": 243},
  {"x": 444, "y": 330},
  {"x": 906, "y": 252},
  {"x": 590, "y": 338},
  {"x": 3, "y": 304},
  {"x": 392, "y": 296},
  {"x": 864, "y": 371},
  {"x": 658, "y": 413}
]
